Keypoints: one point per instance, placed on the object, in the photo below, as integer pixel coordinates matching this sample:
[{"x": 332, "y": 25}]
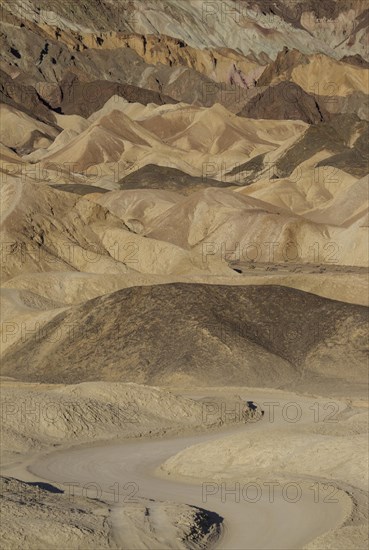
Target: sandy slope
[
  {"x": 244, "y": 524},
  {"x": 310, "y": 519},
  {"x": 22, "y": 132},
  {"x": 76, "y": 522},
  {"x": 89, "y": 411},
  {"x": 188, "y": 136},
  {"x": 40, "y": 417}
]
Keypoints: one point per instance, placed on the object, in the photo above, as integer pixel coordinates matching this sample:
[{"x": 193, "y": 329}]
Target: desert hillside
[{"x": 184, "y": 234}]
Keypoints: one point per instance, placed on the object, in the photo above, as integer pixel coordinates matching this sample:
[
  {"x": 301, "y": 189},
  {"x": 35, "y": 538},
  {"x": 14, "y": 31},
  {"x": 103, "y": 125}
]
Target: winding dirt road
[{"x": 250, "y": 520}]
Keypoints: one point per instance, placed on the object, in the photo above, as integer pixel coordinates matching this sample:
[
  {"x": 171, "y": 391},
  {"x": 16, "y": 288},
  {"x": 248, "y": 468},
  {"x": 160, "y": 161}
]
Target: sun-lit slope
[
  {"x": 222, "y": 224},
  {"x": 346, "y": 205},
  {"x": 332, "y": 205},
  {"x": 23, "y": 133},
  {"x": 259, "y": 222},
  {"x": 22, "y": 311},
  {"x": 310, "y": 172},
  {"x": 8, "y": 156},
  {"x": 73, "y": 287},
  {"x": 71, "y": 122},
  {"x": 307, "y": 188},
  {"x": 200, "y": 216},
  {"x": 137, "y": 207},
  {"x": 191, "y": 333},
  {"x": 310, "y": 87},
  {"x": 110, "y": 408},
  {"x": 263, "y": 455},
  {"x": 326, "y": 79},
  {"x": 19, "y": 301},
  {"x": 195, "y": 140},
  {"x": 345, "y": 137},
  {"x": 340, "y": 79},
  {"x": 48, "y": 230},
  {"x": 26, "y": 504},
  {"x": 216, "y": 130},
  {"x": 103, "y": 141},
  {"x": 105, "y": 138}
]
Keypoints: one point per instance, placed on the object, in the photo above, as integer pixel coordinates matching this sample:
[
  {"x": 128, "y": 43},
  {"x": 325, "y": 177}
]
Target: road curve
[{"x": 247, "y": 525}]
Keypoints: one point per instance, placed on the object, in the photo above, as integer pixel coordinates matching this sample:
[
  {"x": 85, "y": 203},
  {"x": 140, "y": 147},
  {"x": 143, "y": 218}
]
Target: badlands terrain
[{"x": 184, "y": 274}]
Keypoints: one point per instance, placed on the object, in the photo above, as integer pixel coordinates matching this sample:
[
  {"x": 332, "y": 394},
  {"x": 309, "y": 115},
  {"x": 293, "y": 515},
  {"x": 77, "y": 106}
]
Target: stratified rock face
[
  {"x": 85, "y": 98},
  {"x": 308, "y": 23},
  {"x": 24, "y": 97},
  {"x": 174, "y": 49}
]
